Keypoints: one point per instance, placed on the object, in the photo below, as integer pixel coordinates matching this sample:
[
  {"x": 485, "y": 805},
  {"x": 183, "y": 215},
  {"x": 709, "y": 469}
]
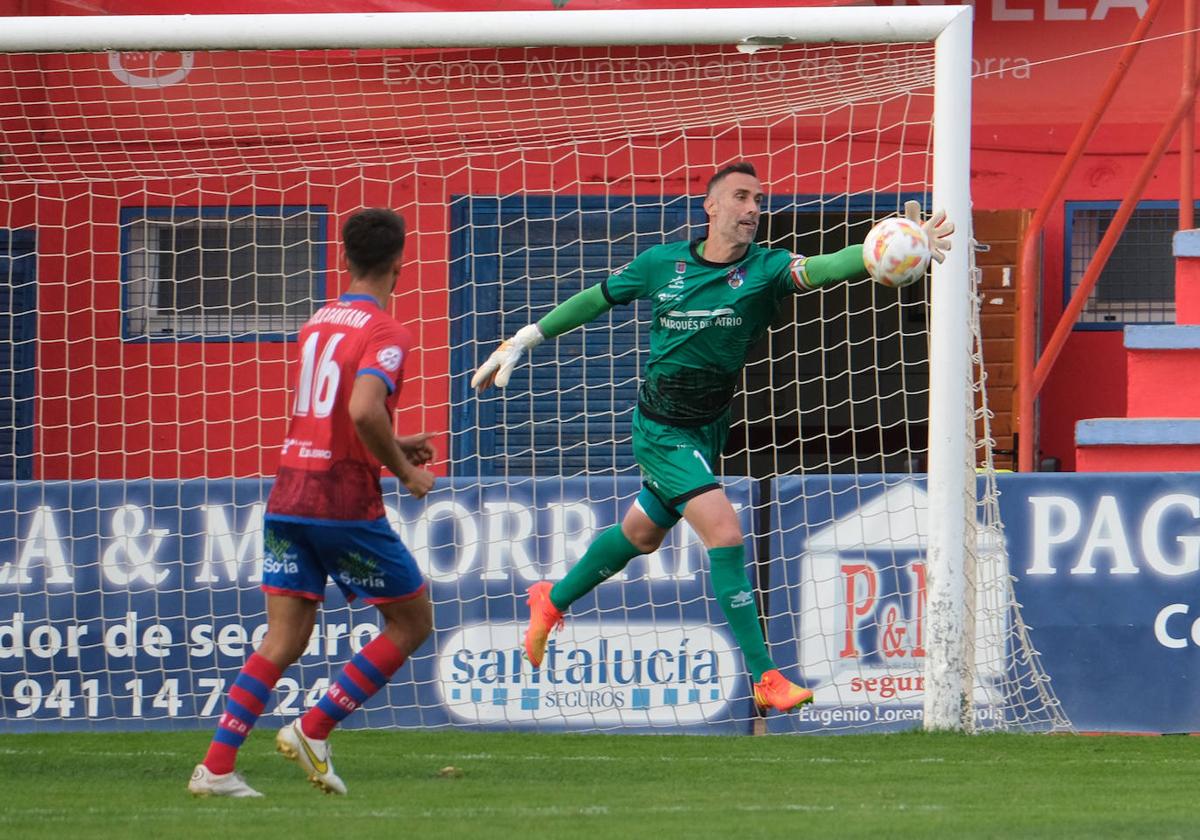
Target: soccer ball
[{"x": 896, "y": 252}]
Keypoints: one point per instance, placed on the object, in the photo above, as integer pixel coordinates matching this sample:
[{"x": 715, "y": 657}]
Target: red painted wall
[
  {"x": 1089, "y": 378},
  {"x": 110, "y": 406},
  {"x": 1163, "y": 383},
  {"x": 1139, "y": 459}
]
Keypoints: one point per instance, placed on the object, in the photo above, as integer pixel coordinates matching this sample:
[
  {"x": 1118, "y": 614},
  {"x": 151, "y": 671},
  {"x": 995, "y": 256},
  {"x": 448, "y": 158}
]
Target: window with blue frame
[
  {"x": 18, "y": 351},
  {"x": 231, "y": 273},
  {"x": 841, "y": 383},
  {"x": 1137, "y": 285}
]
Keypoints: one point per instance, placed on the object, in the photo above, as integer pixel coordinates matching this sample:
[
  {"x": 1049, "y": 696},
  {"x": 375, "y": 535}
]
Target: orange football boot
[
  {"x": 544, "y": 617},
  {"x": 776, "y": 691}
]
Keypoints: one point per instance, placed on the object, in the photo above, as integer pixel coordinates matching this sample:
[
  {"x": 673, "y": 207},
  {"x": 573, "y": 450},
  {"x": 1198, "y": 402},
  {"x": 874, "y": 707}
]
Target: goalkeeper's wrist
[{"x": 528, "y": 337}]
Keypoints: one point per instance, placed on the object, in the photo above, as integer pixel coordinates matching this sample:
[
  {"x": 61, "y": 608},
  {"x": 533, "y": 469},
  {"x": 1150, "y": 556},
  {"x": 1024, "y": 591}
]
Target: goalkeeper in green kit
[{"x": 713, "y": 299}]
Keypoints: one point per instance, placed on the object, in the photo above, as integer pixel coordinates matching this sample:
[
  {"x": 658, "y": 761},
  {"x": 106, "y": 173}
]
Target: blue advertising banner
[
  {"x": 1108, "y": 575},
  {"x": 846, "y": 610},
  {"x": 130, "y": 605},
  {"x": 1106, "y": 568},
  {"x": 133, "y": 604}
]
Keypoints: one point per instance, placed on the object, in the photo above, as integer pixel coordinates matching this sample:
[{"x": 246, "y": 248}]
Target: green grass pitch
[{"x": 566, "y": 786}]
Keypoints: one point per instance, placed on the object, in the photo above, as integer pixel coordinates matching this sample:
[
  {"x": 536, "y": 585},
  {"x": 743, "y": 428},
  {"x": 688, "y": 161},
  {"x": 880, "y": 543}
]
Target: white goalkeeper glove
[
  {"x": 499, "y": 367},
  {"x": 937, "y": 227}
]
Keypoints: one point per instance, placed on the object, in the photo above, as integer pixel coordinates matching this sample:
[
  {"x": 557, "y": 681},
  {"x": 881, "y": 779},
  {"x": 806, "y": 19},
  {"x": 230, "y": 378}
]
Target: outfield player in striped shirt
[{"x": 325, "y": 516}]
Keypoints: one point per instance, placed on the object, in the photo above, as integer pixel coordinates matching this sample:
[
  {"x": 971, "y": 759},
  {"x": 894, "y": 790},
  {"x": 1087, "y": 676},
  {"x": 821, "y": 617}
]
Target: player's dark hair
[
  {"x": 373, "y": 238},
  {"x": 743, "y": 167}
]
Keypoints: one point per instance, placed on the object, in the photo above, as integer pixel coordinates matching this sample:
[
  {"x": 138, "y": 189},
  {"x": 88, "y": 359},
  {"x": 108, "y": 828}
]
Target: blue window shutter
[
  {"x": 514, "y": 259},
  {"x": 18, "y": 351}
]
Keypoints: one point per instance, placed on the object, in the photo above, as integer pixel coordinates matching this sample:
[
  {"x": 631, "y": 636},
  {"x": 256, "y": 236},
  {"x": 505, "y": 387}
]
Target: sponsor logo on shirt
[
  {"x": 305, "y": 449},
  {"x": 389, "y": 358},
  {"x": 699, "y": 319}
]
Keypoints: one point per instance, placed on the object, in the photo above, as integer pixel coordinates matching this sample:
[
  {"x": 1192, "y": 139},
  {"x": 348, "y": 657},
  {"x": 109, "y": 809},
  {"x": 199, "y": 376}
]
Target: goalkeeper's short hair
[{"x": 743, "y": 167}]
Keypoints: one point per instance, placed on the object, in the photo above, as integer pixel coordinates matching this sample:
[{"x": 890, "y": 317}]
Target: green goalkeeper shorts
[{"x": 677, "y": 463}]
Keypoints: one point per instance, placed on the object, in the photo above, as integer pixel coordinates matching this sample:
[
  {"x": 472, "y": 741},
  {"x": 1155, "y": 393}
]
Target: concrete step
[
  {"x": 1146, "y": 444},
  {"x": 1162, "y": 371},
  {"x": 1185, "y": 245}
]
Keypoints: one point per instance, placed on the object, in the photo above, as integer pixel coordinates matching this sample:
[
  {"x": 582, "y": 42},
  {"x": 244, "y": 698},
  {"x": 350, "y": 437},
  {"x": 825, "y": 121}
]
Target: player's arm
[
  {"x": 574, "y": 312},
  {"x": 417, "y": 448},
  {"x": 847, "y": 264},
  {"x": 625, "y": 285},
  {"x": 368, "y": 411},
  {"x": 823, "y": 269}
]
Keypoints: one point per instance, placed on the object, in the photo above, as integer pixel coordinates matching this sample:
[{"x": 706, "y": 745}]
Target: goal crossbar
[{"x": 752, "y": 27}]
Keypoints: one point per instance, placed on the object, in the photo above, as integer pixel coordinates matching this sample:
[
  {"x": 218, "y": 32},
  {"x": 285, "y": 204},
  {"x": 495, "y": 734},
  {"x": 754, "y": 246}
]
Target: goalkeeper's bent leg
[
  {"x": 727, "y": 564},
  {"x": 648, "y": 521},
  {"x": 608, "y": 554}
]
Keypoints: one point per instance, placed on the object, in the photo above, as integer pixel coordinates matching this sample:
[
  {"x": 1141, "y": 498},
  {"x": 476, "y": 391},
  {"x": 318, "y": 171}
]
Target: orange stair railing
[{"x": 1033, "y": 371}]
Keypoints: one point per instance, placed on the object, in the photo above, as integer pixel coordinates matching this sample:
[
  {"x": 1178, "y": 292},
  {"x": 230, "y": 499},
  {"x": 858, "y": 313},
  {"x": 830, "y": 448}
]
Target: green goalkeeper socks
[
  {"x": 608, "y": 554},
  {"x": 727, "y": 565},
  {"x": 611, "y": 552}
]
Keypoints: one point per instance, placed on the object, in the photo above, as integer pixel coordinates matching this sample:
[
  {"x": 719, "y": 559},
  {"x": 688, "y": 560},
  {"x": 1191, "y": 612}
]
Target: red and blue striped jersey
[{"x": 325, "y": 471}]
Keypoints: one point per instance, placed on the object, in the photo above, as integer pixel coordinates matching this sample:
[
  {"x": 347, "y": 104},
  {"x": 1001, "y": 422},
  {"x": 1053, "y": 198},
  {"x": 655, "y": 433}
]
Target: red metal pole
[
  {"x": 1187, "y": 137},
  {"x": 1028, "y": 297},
  {"x": 1067, "y": 322}
]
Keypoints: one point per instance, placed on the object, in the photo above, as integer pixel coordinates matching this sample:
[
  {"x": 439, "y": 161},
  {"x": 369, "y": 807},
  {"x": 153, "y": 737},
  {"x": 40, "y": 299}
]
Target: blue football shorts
[{"x": 365, "y": 559}]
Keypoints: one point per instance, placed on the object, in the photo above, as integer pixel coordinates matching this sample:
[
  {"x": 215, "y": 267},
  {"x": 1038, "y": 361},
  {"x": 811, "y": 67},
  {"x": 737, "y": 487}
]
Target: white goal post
[{"x": 951, "y": 540}]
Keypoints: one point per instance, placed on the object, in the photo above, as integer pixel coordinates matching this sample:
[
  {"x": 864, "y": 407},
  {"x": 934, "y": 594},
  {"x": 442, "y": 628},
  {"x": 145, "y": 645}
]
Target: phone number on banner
[{"x": 115, "y": 697}]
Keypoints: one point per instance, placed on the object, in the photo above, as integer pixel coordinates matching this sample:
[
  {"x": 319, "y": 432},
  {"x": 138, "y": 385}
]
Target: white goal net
[{"x": 168, "y": 220}]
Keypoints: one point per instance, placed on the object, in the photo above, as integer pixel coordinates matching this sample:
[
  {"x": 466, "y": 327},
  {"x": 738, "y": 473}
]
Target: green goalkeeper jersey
[{"x": 707, "y": 316}]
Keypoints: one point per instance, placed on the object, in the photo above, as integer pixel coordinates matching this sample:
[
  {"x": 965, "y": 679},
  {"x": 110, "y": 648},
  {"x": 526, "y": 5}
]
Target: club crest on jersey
[
  {"x": 736, "y": 277},
  {"x": 680, "y": 267},
  {"x": 389, "y": 358}
]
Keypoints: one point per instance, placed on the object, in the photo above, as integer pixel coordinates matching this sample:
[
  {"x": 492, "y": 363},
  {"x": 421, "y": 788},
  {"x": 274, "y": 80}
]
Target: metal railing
[{"x": 1031, "y": 370}]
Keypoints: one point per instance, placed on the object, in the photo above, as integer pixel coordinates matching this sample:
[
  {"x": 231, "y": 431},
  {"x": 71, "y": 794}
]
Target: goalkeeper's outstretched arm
[
  {"x": 823, "y": 269},
  {"x": 571, "y": 313},
  {"x": 847, "y": 264}
]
